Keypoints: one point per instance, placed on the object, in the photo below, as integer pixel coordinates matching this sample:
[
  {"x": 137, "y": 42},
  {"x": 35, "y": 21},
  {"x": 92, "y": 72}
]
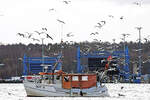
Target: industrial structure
[
  {"x": 34, "y": 65},
  {"x": 97, "y": 62}
]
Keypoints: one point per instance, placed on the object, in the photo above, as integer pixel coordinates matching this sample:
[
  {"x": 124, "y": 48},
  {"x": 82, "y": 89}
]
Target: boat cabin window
[
  {"x": 75, "y": 78},
  {"x": 84, "y": 78}
]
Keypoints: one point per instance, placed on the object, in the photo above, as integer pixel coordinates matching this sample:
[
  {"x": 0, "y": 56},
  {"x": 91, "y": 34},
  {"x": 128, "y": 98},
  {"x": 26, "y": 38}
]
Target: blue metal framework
[
  {"x": 32, "y": 65},
  {"x": 105, "y": 54}
]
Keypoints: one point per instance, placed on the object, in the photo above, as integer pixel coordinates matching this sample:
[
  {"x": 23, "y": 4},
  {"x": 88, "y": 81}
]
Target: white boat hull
[{"x": 55, "y": 90}]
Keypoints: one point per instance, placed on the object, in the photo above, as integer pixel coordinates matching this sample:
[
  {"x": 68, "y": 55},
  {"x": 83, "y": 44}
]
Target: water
[{"x": 128, "y": 92}]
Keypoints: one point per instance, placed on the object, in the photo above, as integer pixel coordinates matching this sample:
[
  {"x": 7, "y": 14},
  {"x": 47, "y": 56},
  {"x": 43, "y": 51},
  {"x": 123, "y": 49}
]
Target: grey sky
[
  {"x": 80, "y": 17},
  {"x": 128, "y": 2}
]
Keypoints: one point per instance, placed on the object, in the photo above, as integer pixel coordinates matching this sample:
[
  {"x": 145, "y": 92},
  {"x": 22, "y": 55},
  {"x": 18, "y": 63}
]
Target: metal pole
[
  {"x": 61, "y": 33},
  {"x": 114, "y": 44},
  {"x": 125, "y": 65},
  {"x": 124, "y": 45},
  {"x": 42, "y": 50},
  {"x": 61, "y": 43},
  {"x": 139, "y": 51}
]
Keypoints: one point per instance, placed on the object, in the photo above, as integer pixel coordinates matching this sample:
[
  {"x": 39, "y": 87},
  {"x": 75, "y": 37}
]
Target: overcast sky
[{"x": 80, "y": 16}]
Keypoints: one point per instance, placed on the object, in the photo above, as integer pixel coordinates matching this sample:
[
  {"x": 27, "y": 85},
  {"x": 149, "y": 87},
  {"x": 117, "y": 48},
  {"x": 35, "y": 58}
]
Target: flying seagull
[
  {"x": 30, "y": 35},
  {"x": 66, "y": 2},
  {"x": 61, "y": 21},
  {"x": 100, "y": 24},
  {"x": 95, "y": 40},
  {"x": 52, "y": 9},
  {"x": 92, "y": 34},
  {"x": 122, "y": 87},
  {"x": 48, "y": 36},
  {"x": 137, "y": 3},
  {"x": 35, "y": 39},
  {"x": 69, "y": 34},
  {"x": 96, "y": 33},
  {"x": 111, "y": 16},
  {"x": 120, "y": 94},
  {"x": 44, "y": 29},
  {"x": 104, "y": 22},
  {"x": 121, "y": 17},
  {"x": 21, "y": 34},
  {"x": 39, "y": 32}
]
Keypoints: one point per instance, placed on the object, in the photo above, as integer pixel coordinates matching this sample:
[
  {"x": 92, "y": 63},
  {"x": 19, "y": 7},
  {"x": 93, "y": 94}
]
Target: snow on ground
[{"x": 116, "y": 91}]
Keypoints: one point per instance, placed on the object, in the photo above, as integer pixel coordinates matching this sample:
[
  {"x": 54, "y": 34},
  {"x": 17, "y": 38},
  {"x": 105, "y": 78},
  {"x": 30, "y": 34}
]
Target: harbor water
[{"x": 121, "y": 91}]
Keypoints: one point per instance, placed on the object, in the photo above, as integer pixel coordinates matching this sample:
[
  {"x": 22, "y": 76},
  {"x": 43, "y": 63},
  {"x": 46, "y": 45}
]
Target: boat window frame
[
  {"x": 87, "y": 78},
  {"x": 75, "y": 79}
]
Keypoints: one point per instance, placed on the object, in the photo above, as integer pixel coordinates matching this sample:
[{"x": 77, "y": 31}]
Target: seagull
[
  {"x": 29, "y": 34},
  {"x": 61, "y": 21},
  {"x": 120, "y": 94},
  {"x": 44, "y": 29},
  {"x": 66, "y": 2},
  {"x": 99, "y": 25},
  {"x": 48, "y": 36},
  {"x": 92, "y": 34},
  {"x": 146, "y": 40},
  {"x": 39, "y": 32},
  {"x": 9, "y": 93},
  {"x": 104, "y": 22},
  {"x": 103, "y": 60},
  {"x": 69, "y": 34},
  {"x": 111, "y": 16},
  {"x": 121, "y": 17},
  {"x": 35, "y": 39},
  {"x": 21, "y": 34},
  {"x": 96, "y": 33},
  {"x": 122, "y": 87},
  {"x": 95, "y": 40},
  {"x": 52, "y": 9},
  {"x": 137, "y": 3}
]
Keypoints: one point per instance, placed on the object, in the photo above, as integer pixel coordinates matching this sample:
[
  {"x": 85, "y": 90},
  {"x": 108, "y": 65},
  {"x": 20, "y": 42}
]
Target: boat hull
[{"x": 55, "y": 90}]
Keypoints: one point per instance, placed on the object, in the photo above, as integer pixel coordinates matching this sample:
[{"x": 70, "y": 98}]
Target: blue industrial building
[
  {"x": 100, "y": 55},
  {"x": 33, "y": 65}
]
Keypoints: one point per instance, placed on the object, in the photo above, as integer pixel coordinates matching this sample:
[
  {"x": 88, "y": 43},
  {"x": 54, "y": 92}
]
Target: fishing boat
[{"x": 59, "y": 83}]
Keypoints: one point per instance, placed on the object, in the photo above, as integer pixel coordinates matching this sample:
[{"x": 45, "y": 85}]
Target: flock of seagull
[
  {"x": 99, "y": 45},
  {"x": 98, "y": 25},
  {"x": 30, "y": 35}
]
